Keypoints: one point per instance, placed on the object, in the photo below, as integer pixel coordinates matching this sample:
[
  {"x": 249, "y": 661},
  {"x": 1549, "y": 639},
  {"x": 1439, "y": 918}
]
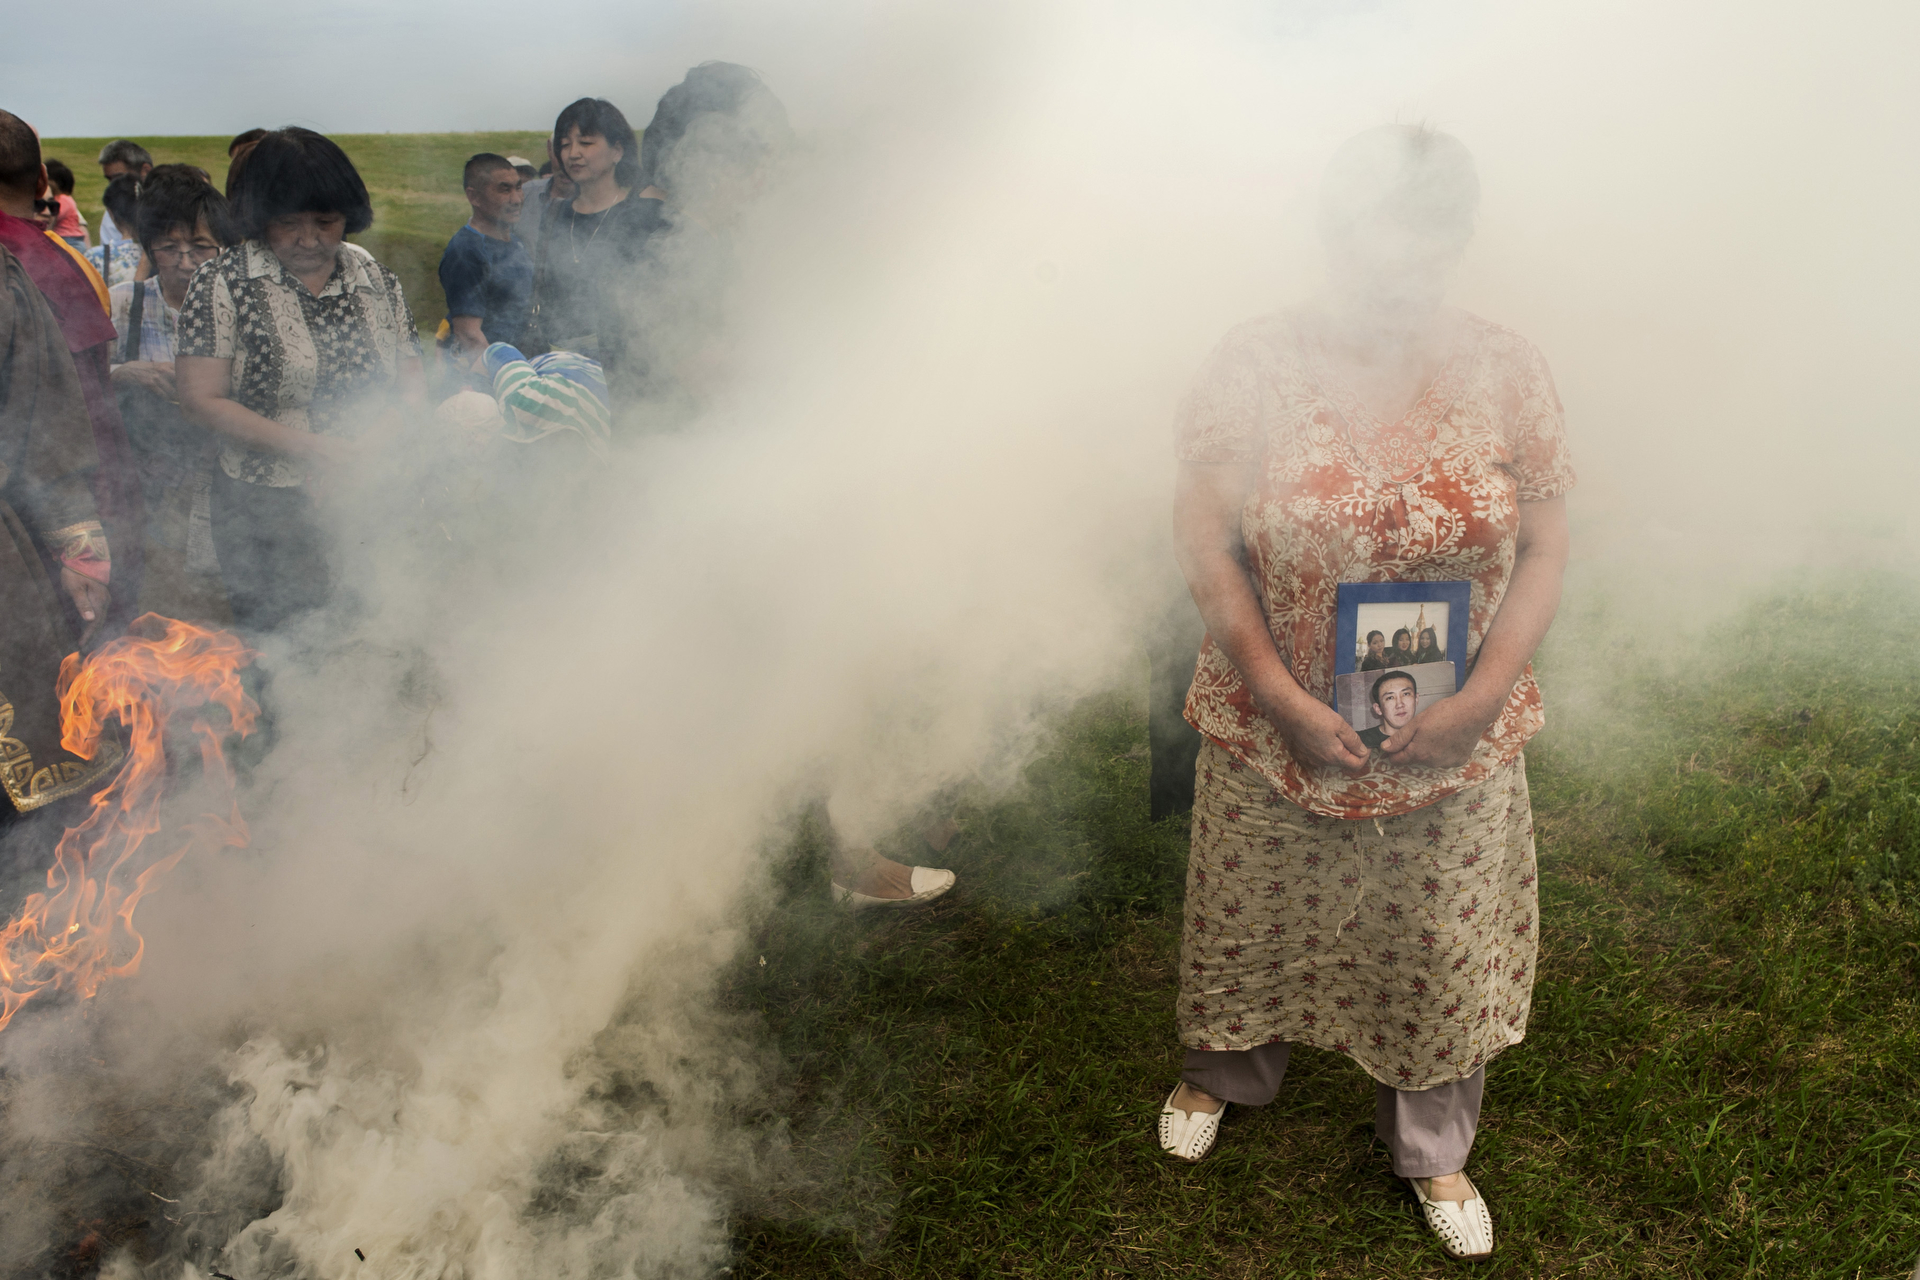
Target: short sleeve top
[
  {"x": 158, "y": 321},
  {"x": 307, "y": 361},
  {"x": 488, "y": 278},
  {"x": 1342, "y": 497}
]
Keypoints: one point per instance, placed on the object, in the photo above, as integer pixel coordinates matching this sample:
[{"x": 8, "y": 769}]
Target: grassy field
[
  {"x": 414, "y": 179},
  {"x": 1720, "y": 1072},
  {"x": 1718, "y": 1080}
]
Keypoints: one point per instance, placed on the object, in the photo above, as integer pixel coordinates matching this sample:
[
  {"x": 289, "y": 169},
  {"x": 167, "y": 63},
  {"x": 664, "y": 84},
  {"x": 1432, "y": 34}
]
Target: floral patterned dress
[
  {"x": 1344, "y": 498},
  {"x": 1390, "y": 917}
]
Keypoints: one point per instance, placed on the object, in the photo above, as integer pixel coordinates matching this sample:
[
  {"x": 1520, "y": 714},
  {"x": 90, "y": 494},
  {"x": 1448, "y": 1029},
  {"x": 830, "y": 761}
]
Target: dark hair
[
  {"x": 19, "y": 154},
  {"x": 1372, "y": 634},
  {"x": 1425, "y": 632},
  {"x": 60, "y": 176},
  {"x": 712, "y": 88},
  {"x": 175, "y": 195},
  {"x": 122, "y": 198},
  {"x": 248, "y": 138},
  {"x": 480, "y": 166},
  {"x": 1417, "y": 177},
  {"x": 545, "y": 169},
  {"x": 123, "y": 151},
  {"x": 1373, "y": 696},
  {"x": 1402, "y": 632},
  {"x": 597, "y": 115},
  {"x": 295, "y": 170}
]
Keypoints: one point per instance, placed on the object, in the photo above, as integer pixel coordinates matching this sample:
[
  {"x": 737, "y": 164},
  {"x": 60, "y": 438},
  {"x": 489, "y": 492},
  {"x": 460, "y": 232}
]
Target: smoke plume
[{"x": 515, "y": 813}]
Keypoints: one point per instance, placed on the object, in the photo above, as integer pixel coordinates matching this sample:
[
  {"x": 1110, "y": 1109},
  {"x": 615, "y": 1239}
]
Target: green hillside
[{"x": 414, "y": 179}]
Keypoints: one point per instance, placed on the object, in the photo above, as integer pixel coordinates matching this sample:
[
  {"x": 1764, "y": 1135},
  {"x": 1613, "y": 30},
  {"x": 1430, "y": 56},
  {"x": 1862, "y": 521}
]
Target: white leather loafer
[
  {"x": 1188, "y": 1135},
  {"x": 1465, "y": 1227},
  {"x": 927, "y": 884}
]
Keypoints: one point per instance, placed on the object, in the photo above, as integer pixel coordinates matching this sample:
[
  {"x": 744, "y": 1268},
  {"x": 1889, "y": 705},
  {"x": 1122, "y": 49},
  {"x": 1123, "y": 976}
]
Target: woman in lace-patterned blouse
[
  {"x": 298, "y": 349},
  {"x": 1379, "y": 903}
]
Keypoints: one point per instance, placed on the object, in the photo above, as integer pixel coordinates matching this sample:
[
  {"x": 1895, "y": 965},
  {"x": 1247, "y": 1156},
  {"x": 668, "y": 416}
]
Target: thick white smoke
[{"x": 930, "y": 508}]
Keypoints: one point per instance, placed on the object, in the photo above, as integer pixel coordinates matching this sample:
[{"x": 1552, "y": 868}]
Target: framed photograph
[{"x": 1399, "y": 648}]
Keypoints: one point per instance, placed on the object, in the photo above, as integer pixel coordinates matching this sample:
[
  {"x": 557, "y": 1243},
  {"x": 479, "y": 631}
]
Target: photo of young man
[{"x": 1396, "y": 696}]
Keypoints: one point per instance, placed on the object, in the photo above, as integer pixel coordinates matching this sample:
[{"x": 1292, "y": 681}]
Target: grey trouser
[{"x": 1429, "y": 1131}]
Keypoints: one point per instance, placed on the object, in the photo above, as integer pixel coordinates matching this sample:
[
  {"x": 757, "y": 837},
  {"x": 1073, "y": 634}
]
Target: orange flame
[{"x": 69, "y": 938}]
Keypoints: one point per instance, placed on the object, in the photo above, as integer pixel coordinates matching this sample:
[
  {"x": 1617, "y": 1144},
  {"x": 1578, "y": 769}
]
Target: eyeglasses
[{"x": 177, "y": 253}]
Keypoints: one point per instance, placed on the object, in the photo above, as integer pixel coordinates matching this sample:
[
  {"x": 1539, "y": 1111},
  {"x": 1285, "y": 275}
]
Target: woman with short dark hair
[
  {"x": 118, "y": 260},
  {"x": 296, "y": 348},
  {"x": 589, "y": 244},
  {"x": 181, "y": 222}
]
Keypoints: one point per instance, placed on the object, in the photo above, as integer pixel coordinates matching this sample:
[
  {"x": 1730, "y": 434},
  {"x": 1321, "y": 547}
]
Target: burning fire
[{"x": 69, "y": 938}]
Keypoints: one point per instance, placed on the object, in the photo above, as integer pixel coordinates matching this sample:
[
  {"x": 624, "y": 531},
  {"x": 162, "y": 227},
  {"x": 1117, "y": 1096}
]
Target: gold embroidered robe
[{"x": 46, "y": 456}]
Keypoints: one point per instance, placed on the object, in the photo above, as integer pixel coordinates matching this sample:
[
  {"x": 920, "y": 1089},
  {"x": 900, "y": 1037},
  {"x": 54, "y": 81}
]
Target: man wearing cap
[{"x": 486, "y": 271}]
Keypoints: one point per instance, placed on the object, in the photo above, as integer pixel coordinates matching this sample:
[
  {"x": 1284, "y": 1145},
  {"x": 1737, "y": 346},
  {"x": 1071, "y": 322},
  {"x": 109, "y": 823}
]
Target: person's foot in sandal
[
  {"x": 1458, "y": 1214},
  {"x": 878, "y": 882},
  {"x": 1189, "y": 1122}
]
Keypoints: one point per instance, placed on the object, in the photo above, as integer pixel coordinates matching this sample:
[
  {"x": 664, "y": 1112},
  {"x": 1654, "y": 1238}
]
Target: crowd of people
[
  {"x": 1403, "y": 652},
  {"x": 178, "y": 402},
  {"x": 239, "y": 358}
]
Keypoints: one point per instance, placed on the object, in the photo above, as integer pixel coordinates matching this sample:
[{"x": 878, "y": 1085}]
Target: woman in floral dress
[{"x": 1379, "y": 903}]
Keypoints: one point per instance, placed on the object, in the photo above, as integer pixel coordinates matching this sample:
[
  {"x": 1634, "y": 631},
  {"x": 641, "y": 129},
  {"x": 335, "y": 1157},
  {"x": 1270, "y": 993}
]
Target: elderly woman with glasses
[
  {"x": 180, "y": 222},
  {"x": 296, "y": 349}
]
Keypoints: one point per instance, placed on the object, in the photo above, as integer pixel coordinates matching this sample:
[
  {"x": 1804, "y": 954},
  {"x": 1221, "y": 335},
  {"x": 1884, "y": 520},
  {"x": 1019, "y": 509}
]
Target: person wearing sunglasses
[{"x": 180, "y": 222}]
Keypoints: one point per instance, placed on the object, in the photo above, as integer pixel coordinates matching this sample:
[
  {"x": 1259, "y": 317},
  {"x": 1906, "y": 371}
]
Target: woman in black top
[
  {"x": 1401, "y": 654},
  {"x": 584, "y": 277},
  {"x": 1429, "y": 649}
]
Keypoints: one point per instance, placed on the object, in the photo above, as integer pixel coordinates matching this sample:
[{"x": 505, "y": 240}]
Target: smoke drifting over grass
[{"x": 452, "y": 1009}]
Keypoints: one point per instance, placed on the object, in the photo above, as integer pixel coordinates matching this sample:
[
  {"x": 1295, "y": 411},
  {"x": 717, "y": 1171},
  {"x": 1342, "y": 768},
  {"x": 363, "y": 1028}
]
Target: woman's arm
[
  {"x": 205, "y": 386},
  {"x": 1446, "y": 733},
  {"x": 149, "y": 375},
  {"x": 467, "y": 334},
  {"x": 1206, "y": 518},
  {"x": 410, "y": 379}
]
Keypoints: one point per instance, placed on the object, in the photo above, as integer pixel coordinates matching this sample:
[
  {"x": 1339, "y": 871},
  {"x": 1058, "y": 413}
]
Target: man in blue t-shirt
[{"x": 486, "y": 270}]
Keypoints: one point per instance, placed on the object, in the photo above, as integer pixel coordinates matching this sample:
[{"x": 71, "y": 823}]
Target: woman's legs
[
  {"x": 1211, "y": 1077},
  {"x": 1430, "y": 1131},
  {"x": 272, "y": 552},
  {"x": 861, "y": 868}
]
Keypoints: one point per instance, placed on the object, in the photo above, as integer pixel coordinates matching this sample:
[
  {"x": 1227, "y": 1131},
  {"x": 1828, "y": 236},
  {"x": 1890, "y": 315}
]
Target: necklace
[{"x": 573, "y": 231}]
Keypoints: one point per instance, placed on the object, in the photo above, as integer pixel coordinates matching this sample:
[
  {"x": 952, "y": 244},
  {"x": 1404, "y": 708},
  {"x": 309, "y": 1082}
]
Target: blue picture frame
[{"x": 1457, "y": 596}]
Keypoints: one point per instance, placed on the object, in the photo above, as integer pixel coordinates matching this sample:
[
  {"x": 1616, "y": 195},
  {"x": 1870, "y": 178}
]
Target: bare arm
[
  {"x": 1445, "y": 734},
  {"x": 205, "y": 387},
  {"x": 149, "y": 375},
  {"x": 1207, "y": 501},
  {"x": 467, "y": 333},
  {"x": 410, "y": 379}
]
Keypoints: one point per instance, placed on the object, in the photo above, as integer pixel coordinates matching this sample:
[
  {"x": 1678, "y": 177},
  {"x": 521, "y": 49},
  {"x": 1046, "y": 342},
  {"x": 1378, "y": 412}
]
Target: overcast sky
[
  {"x": 350, "y": 65},
  {"x": 356, "y": 66}
]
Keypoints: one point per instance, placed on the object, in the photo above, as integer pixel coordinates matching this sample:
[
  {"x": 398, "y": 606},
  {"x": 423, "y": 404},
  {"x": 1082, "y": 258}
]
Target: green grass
[
  {"x": 414, "y": 179},
  {"x": 1718, "y": 1079}
]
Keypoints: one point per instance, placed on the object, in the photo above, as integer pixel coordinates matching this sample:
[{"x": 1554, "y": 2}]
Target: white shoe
[
  {"x": 1465, "y": 1227},
  {"x": 927, "y": 884},
  {"x": 1188, "y": 1135}
]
